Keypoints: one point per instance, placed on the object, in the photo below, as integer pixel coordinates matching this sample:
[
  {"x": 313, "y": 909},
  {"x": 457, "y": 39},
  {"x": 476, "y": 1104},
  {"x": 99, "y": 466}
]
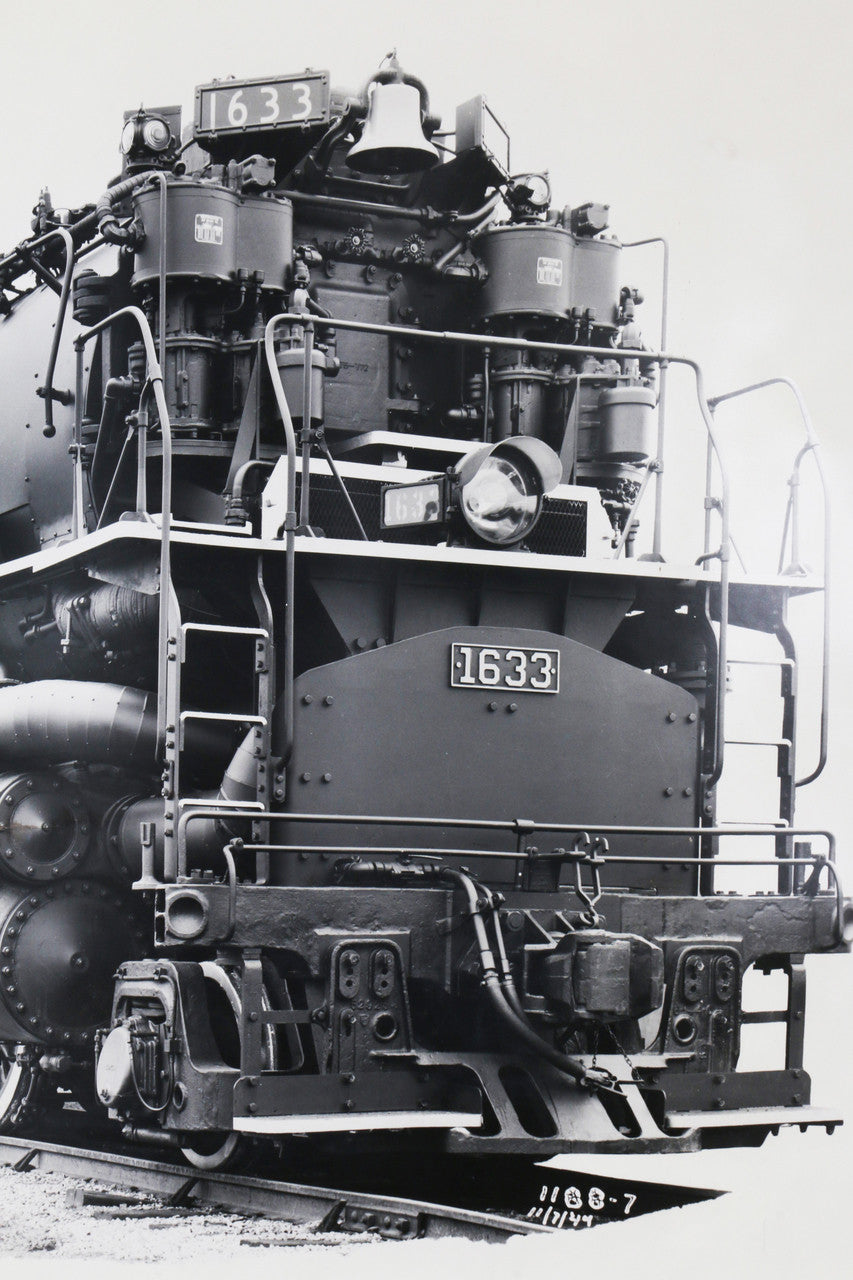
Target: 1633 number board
[{"x": 512, "y": 667}]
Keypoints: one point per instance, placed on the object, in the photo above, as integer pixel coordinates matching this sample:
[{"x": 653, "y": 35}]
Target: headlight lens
[
  {"x": 156, "y": 135},
  {"x": 497, "y": 502},
  {"x": 128, "y": 137}
]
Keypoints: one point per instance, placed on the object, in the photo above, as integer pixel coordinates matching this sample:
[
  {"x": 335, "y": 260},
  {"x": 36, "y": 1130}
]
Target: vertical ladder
[
  {"x": 784, "y": 745},
  {"x": 258, "y": 719}
]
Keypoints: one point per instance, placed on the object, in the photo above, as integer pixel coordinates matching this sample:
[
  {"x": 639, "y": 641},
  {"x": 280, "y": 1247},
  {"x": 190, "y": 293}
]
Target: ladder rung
[
  {"x": 202, "y": 802},
  {"x": 758, "y": 742},
  {"x": 760, "y": 662},
  {"x": 218, "y": 628},
  {"x": 772, "y": 824},
  {"x": 226, "y": 717}
]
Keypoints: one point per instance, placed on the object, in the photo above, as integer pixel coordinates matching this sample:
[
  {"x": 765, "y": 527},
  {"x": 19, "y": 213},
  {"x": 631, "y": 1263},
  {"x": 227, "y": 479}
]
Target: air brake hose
[
  {"x": 492, "y": 985},
  {"x": 496, "y": 992},
  {"x": 506, "y": 979}
]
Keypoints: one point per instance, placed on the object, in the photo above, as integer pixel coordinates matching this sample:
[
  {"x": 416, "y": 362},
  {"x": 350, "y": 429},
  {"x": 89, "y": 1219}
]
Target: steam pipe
[
  {"x": 107, "y": 223},
  {"x": 363, "y": 206},
  {"x": 55, "y": 721}
]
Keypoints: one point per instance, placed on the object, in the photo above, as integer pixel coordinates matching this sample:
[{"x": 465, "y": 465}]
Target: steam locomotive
[{"x": 358, "y": 776}]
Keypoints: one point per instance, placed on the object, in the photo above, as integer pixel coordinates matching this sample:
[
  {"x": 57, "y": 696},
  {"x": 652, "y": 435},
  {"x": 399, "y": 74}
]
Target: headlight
[
  {"x": 497, "y": 489},
  {"x": 156, "y": 134},
  {"x": 499, "y": 502}
]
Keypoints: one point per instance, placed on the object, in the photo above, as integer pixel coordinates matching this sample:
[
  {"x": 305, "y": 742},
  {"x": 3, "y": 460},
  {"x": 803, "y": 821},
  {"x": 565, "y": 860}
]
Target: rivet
[
  {"x": 691, "y": 719},
  {"x": 307, "y": 699},
  {"x": 670, "y": 717},
  {"x": 327, "y": 777},
  {"x": 667, "y": 791},
  {"x": 305, "y": 777},
  {"x": 688, "y": 791},
  {"x": 328, "y": 701},
  {"x": 493, "y": 706},
  {"x": 513, "y": 706}
]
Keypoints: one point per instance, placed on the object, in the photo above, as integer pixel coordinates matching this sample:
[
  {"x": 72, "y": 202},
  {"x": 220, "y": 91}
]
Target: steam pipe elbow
[{"x": 107, "y": 222}]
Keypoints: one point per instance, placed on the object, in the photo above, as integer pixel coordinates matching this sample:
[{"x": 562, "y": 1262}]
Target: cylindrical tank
[
  {"x": 60, "y": 947},
  {"x": 265, "y": 239},
  {"x": 595, "y": 278},
  {"x": 291, "y": 366},
  {"x": 529, "y": 271},
  {"x": 627, "y": 431},
  {"x": 201, "y": 232},
  {"x": 211, "y": 232}
]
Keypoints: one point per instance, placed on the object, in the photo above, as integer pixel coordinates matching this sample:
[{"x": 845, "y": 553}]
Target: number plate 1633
[{"x": 519, "y": 670}]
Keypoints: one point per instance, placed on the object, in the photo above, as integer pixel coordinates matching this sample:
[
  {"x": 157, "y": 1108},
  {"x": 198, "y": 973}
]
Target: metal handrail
[
  {"x": 811, "y": 446},
  {"x": 520, "y": 827},
  {"x": 664, "y": 315},
  {"x": 524, "y": 344},
  {"x": 284, "y": 749},
  {"x": 47, "y": 390},
  {"x": 588, "y": 849}
]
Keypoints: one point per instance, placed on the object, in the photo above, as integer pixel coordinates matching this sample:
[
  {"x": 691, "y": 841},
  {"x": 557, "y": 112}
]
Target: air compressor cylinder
[
  {"x": 212, "y": 233},
  {"x": 529, "y": 271}
]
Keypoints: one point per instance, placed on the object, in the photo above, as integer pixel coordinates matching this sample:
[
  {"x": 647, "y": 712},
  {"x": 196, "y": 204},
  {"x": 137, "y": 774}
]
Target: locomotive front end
[{"x": 360, "y": 776}]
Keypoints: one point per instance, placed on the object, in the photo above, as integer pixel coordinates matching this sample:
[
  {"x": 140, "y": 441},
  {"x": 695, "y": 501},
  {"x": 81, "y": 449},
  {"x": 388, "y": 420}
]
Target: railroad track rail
[{"x": 533, "y": 1200}]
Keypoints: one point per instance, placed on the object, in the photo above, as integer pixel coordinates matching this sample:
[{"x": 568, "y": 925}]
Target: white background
[{"x": 725, "y": 127}]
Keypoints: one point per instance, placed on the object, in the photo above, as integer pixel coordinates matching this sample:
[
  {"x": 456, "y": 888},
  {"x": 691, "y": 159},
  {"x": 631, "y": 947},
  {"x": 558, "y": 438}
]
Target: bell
[{"x": 393, "y": 140}]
